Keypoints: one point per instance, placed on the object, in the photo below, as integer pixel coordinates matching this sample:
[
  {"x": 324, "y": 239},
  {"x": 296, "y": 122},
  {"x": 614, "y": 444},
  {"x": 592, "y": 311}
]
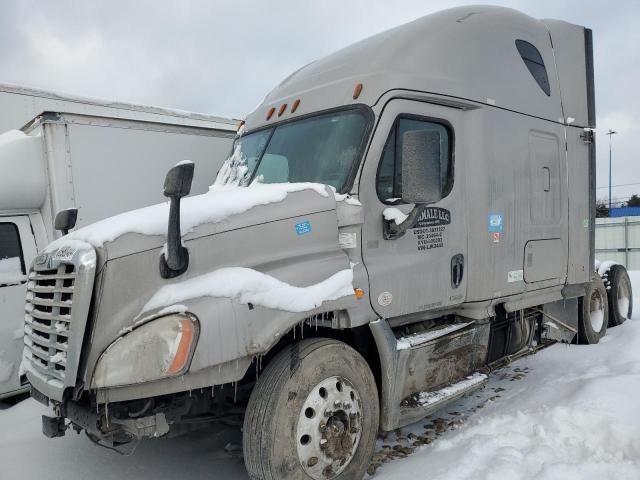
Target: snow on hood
[
  {"x": 250, "y": 286},
  {"x": 211, "y": 207}
]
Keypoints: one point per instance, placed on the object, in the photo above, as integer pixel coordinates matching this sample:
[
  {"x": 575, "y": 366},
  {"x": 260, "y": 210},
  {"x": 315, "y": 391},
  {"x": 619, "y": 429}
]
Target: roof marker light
[
  {"x": 357, "y": 91},
  {"x": 283, "y": 107},
  {"x": 295, "y": 105},
  {"x": 272, "y": 110}
]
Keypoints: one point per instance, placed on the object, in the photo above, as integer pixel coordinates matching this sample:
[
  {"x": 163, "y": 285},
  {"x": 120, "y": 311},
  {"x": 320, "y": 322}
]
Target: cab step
[{"x": 422, "y": 404}]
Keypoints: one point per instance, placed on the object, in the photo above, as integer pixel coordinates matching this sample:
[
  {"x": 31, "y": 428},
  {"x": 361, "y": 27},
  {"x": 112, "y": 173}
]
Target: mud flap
[
  {"x": 560, "y": 320},
  {"x": 53, "y": 427}
]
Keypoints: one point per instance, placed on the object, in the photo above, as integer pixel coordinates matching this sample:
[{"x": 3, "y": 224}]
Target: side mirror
[
  {"x": 177, "y": 183},
  {"x": 174, "y": 260},
  {"x": 66, "y": 220},
  {"x": 421, "y": 167}
]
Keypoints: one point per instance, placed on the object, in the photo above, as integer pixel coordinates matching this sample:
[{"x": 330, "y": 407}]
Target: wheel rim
[
  {"x": 596, "y": 311},
  {"x": 623, "y": 298},
  {"x": 329, "y": 428}
]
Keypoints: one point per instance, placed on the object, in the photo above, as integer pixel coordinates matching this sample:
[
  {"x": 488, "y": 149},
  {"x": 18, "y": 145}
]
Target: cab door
[
  {"x": 17, "y": 250},
  {"x": 424, "y": 269}
]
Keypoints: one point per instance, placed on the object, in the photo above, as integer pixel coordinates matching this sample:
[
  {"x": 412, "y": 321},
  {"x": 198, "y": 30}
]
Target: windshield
[{"x": 320, "y": 149}]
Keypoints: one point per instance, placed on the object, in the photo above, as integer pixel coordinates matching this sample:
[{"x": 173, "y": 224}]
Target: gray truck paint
[{"x": 511, "y": 160}]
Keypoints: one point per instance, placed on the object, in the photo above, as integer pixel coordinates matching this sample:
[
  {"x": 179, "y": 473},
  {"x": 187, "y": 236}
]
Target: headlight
[{"x": 158, "y": 349}]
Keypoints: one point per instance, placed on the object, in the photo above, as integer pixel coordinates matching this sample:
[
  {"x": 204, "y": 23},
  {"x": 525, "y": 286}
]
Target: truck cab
[{"x": 393, "y": 220}]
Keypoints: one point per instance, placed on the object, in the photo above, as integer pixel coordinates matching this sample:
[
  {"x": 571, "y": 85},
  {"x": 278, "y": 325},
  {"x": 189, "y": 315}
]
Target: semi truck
[
  {"x": 393, "y": 221},
  {"x": 98, "y": 164}
]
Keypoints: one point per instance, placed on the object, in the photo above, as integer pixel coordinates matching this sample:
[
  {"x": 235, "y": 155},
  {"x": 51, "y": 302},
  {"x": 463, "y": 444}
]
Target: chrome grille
[{"x": 48, "y": 308}]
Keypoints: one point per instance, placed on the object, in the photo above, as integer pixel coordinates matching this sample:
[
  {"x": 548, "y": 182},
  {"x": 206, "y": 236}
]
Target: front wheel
[{"x": 313, "y": 414}]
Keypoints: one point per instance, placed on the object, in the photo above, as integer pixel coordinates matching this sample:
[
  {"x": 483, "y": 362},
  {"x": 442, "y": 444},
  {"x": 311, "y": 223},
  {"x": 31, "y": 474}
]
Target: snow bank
[
  {"x": 11, "y": 271},
  {"x": 214, "y": 206},
  {"x": 250, "y": 286}
]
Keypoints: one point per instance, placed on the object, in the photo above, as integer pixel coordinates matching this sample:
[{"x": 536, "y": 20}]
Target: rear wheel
[
  {"x": 593, "y": 314},
  {"x": 313, "y": 414},
  {"x": 619, "y": 295}
]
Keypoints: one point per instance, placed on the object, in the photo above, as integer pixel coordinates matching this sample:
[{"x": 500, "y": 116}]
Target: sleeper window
[
  {"x": 534, "y": 62},
  {"x": 12, "y": 269},
  {"x": 389, "y": 180}
]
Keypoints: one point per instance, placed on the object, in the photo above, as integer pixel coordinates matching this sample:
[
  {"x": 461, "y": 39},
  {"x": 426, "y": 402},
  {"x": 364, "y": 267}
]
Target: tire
[
  {"x": 619, "y": 294},
  {"x": 593, "y": 314},
  {"x": 287, "y": 405}
]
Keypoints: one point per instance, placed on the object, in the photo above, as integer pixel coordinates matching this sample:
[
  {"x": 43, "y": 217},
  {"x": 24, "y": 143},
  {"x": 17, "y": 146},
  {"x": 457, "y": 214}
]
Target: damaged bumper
[{"x": 105, "y": 429}]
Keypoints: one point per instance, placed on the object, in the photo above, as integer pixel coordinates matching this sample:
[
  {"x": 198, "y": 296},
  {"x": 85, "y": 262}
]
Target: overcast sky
[{"x": 222, "y": 57}]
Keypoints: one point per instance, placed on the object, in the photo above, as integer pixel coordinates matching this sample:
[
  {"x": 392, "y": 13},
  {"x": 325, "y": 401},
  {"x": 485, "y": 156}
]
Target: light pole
[{"x": 610, "y": 133}]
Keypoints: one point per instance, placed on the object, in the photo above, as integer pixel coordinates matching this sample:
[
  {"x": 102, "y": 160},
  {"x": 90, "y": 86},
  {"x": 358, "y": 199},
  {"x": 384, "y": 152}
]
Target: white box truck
[
  {"x": 20, "y": 104},
  {"x": 102, "y": 162}
]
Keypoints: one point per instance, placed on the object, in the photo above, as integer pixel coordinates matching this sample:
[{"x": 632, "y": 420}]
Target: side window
[
  {"x": 534, "y": 62},
  {"x": 389, "y": 180},
  {"x": 12, "y": 270}
]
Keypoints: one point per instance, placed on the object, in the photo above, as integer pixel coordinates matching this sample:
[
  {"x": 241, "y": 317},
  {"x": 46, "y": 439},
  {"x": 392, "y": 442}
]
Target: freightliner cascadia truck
[{"x": 394, "y": 220}]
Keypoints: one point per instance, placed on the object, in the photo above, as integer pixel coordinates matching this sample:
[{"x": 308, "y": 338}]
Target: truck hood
[{"x": 219, "y": 210}]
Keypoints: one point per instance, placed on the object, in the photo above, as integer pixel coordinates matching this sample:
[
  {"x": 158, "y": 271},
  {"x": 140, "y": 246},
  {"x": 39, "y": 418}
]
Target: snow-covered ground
[{"x": 568, "y": 412}]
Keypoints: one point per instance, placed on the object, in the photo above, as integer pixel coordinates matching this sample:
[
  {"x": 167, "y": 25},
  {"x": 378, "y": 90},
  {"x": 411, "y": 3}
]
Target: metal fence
[{"x": 618, "y": 239}]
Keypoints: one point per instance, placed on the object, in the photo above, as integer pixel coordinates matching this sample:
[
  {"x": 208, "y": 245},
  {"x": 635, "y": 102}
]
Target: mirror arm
[
  {"x": 393, "y": 231},
  {"x": 176, "y": 260}
]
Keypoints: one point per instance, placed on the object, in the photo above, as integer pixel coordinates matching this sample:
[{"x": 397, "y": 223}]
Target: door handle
[
  {"x": 547, "y": 179},
  {"x": 457, "y": 270}
]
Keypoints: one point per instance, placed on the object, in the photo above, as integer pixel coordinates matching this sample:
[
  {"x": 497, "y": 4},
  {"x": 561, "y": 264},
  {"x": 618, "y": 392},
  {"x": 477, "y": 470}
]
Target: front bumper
[{"x": 100, "y": 426}]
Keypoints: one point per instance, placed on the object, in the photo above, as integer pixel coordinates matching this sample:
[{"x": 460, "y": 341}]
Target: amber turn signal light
[
  {"x": 184, "y": 347},
  {"x": 270, "y": 113},
  {"x": 357, "y": 91}
]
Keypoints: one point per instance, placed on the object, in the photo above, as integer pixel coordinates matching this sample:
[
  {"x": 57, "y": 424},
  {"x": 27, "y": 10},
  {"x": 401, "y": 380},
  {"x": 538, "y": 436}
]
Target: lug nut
[
  {"x": 322, "y": 428},
  {"x": 312, "y": 461},
  {"x": 347, "y": 406},
  {"x": 337, "y": 404},
  {"x": 328, "y": 413}
]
